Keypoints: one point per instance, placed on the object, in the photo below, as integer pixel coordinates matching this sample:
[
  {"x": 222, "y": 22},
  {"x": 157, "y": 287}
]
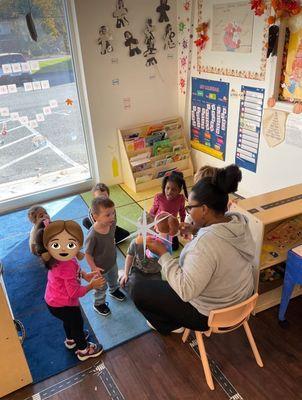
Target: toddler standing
[
  {"x": 101, "y": 252},
  {"x": 35, "y": 214},
  {"x": 171, "y": 199},
  {"x": 100, "y": 189}
]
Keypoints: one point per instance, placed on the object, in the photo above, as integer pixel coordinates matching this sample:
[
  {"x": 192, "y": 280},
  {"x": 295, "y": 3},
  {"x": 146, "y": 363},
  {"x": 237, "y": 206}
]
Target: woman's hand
[{"x": 155, "y": 246}]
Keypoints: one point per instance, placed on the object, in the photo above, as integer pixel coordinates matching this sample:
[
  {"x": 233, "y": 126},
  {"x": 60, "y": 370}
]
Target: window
[{"x": 42, "y": 137}]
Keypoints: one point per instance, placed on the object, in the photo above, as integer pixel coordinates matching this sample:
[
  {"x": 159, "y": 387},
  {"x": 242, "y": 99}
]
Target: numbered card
[
  {"x": 33, "y": 123},
  {"x": 12, "y": 88},
  {"x": 37, "y": 85},
  {"x": 45, "y": 84},
  {"x": 5, "y": 112},
  {"x": 34, "y": 65},
  {"x": 14, "y": 116},
  {"x": 28, "y": 86},
  {"x": 7, "y": 68},
  {"x": 25, "y": 67},
  {"x": 40, "y": 117},
  {"x": 3, "y": 89},
  {"x": 24, "y": 120},
  {"x": 53, "y": 103},
  {"x": 16, "y": 67},
  {"x": 46, "y": 110}
]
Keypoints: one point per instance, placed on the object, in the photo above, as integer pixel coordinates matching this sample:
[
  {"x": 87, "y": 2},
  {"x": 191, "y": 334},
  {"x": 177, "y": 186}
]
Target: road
[{"x": 24, "y": 152}]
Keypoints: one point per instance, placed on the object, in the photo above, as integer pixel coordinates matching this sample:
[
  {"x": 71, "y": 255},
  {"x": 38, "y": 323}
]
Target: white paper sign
[
  {"x": 40, "y": 117},
  {"x": 3, "y": 89},
  {"x": 46, "y": 110},
  {"x": 5, "y": 112},
  {"x": 12, "y": 88},
  {"x": 53, "y": 103},
  {"x": 14, "y": 116},
  {"x": 25, "y": 67},
  {"x": 34, "y": 65},
  {"x": 294, "y": 130},
  {"x": 16, "y": 67},
  {"x": 37, "y": 85},
  {"x": 28, "y": 86},
  {"x": 24, "y": 120},
  {"x": 273, "y": 126},
  {"x": 33, "y": 123},
  {"x": 45, "y": 84},
  {"x": 7, "y": 68}
]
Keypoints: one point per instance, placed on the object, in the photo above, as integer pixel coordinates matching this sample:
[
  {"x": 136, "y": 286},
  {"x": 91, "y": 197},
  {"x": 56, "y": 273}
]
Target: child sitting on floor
[
  {"x": 101, "y": 252},
  {"x": 171, "y": 199},
  {"x": 100, "y": 189},
  {"x": 35, "y": 214}
]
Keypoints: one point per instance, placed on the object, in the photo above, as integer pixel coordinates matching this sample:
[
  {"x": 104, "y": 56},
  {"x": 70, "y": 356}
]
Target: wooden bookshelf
[
  {"x": 275, "y": 220},
  {"x": 150, "y": 150},
  {"x": 14, "y": 370}
]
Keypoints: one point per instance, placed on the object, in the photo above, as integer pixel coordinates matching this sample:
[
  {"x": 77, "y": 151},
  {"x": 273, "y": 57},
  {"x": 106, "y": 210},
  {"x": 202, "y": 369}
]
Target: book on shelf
[
  {"x": 154, "y": 128},
  {"x": 162, "y": 147},
  {"x": 155, "y": 137}
]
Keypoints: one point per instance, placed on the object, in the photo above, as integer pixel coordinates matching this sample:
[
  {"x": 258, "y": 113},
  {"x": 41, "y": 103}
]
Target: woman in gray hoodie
[{"x": 214, "y": 269}]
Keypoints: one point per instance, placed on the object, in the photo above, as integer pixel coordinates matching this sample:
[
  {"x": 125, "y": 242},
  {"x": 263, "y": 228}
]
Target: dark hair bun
[{"x": 227, "y": 178}]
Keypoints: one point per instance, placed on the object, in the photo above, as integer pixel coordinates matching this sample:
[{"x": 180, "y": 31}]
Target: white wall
[
  {"x": 152, "y": 90},
  {"x": 277, "y": 167}
]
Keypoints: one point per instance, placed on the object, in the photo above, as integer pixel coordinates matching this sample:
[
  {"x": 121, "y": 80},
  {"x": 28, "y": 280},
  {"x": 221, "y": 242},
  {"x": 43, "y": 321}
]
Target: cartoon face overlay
[{"x": 63, "y": 246}]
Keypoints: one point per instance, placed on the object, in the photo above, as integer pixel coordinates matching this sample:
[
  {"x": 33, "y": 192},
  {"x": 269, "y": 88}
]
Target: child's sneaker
[
  {"x": 102, "y": 309},
  {"x": 71, "y": 344},
  {"x": 92, "y": 350},
  {"x": 118, "y": 295}
]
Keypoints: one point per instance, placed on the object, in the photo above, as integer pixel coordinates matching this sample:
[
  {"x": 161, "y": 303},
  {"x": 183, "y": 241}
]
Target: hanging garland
[{"x": 282, "y": 8}]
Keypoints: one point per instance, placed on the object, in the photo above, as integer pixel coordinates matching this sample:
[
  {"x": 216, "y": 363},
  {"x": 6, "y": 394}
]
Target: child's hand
[
  {"x": 88, "y": 276},
  {"x": 97, "y": 283},
  {"x": 156, "y": 246},
  {"x": 97, "y": 270},
  {"x": 124, "y": 280},
  {"x": 186, "y": 230}
]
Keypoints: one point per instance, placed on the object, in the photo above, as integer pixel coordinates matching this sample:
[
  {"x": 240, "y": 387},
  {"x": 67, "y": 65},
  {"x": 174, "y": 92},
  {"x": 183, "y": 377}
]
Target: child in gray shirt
[{"x": 101, "y": 252}]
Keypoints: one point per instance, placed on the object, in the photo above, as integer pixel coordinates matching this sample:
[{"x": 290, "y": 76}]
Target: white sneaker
[{"x": 179, "y": 330}]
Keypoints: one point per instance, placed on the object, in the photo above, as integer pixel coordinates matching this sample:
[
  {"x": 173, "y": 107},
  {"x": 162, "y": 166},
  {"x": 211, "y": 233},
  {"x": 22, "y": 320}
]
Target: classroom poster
[
  {"x": 209, "y": 114},
  {"x": 249, "y": 127}
]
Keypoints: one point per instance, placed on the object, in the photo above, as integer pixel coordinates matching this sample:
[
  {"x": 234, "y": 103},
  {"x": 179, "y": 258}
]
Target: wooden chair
[{"x": 222, "y": 321}]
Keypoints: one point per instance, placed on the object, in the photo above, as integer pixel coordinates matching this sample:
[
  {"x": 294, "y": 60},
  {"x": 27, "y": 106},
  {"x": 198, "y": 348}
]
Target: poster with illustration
[
  {"x": 292, "y": 86},
  {"x": 232, "y": 27},
  {"x": 209, "y": 114},
  {"x": 249, "y": 127}
]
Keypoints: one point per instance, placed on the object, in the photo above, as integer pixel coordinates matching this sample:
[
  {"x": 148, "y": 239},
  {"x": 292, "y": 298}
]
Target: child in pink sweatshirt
[
  {"x": 171, "y": 199},
  {"x": 61, "y": 244}
]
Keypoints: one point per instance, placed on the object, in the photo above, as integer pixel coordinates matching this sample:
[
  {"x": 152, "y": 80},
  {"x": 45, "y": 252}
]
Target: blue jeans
[{"x": 111, "y": 277}]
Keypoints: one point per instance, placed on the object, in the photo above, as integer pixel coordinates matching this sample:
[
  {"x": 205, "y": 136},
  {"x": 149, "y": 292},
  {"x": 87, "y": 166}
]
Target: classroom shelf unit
[
  {"x": 275, "y": 220},
  {"x": 14, "y": 370},
  {"x": 150, "y": 150}
]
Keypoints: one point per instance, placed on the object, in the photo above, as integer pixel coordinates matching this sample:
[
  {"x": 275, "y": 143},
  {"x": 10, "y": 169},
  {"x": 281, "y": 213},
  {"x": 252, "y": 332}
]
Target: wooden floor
[{"x": 157, "y": 367}]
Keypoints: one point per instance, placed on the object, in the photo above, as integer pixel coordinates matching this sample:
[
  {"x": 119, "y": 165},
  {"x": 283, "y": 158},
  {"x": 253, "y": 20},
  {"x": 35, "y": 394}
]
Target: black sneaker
[
  {"x": 118, "y": 295},
  {"x": 102, "y": 309},
  {"x": 92, "y": 350}
]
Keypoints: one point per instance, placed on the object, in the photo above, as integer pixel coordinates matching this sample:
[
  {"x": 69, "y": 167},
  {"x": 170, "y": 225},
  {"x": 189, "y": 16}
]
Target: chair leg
[
  {"x": 252, "y": 343},
  {"x": 204, "y": 360},
  {"x": 186, "y": 335}
]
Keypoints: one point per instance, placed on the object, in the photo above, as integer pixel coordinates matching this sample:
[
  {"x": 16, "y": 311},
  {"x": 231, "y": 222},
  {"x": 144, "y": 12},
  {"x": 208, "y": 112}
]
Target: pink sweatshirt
[
  {"x": 174, "y": 206},
  {"x": 63, "y": 284}
]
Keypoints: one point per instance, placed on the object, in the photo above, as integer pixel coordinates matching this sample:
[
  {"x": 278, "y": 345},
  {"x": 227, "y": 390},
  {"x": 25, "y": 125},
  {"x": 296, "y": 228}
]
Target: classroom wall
[
  {"x": 121, "y": 90},
  {"x": 277, "y": 167}
]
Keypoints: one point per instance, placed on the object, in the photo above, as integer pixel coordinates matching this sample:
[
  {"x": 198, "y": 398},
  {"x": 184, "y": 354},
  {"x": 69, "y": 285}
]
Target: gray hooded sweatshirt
[{"x": 214, "y": 269}]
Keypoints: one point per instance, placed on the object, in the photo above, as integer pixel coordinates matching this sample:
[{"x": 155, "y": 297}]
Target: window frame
[{"x": 77, "y": 187}]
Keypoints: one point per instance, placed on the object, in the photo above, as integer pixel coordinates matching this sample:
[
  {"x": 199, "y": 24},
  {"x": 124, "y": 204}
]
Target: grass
[{"x": 55, "y": 65}]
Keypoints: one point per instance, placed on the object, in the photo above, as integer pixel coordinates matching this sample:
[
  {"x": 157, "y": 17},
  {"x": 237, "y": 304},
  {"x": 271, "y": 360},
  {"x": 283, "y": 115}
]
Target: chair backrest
[{"x": 230, "y": 318}]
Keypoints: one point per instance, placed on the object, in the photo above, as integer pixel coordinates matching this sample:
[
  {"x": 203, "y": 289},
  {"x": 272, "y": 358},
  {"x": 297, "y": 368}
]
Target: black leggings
[
  {"x": 73, "y": 323},
  {"x": 164, "y": 309}
]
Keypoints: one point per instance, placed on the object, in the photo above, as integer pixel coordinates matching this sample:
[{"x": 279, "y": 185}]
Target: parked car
[{"x": 12, "y": 77}]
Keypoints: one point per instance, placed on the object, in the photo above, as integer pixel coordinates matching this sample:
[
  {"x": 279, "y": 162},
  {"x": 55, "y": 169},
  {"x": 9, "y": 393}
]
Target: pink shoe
[
  {"x": 92, "y": 350},
  {"x": 71, "y": 344}
]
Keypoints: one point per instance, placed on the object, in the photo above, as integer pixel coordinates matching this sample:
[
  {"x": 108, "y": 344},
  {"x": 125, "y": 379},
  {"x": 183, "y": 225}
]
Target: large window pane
[{"x": 42, "y": 140}]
